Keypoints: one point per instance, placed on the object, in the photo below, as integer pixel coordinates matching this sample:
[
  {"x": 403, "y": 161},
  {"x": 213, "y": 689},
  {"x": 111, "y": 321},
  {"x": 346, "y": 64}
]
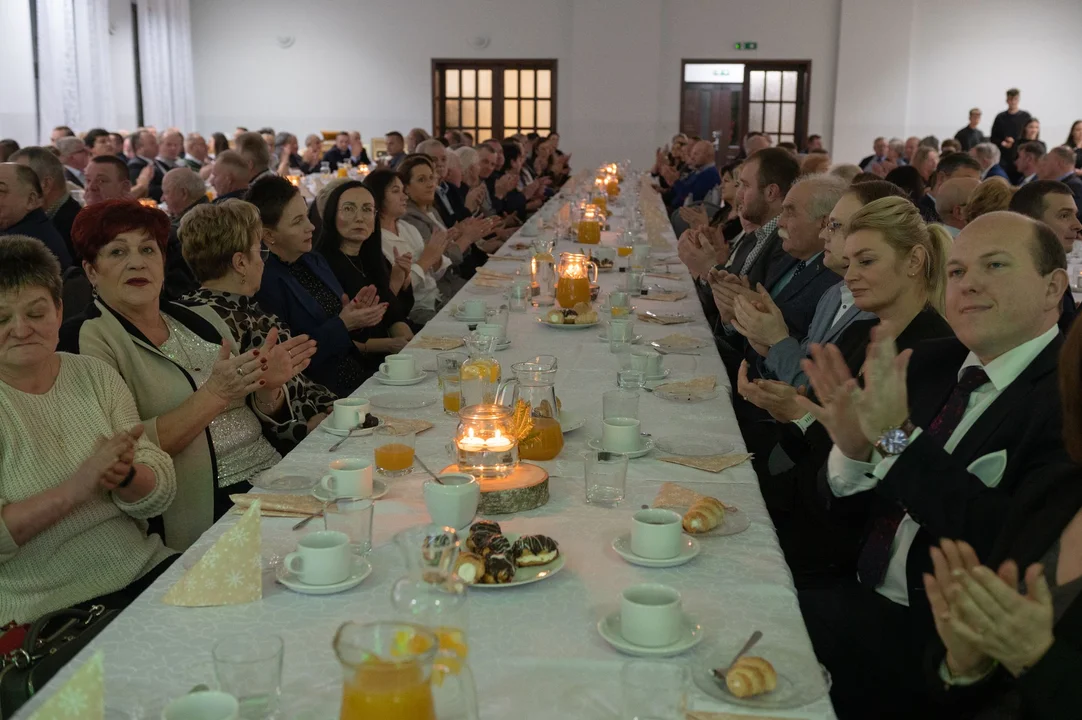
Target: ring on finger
[{"x": 240, "y": 372}]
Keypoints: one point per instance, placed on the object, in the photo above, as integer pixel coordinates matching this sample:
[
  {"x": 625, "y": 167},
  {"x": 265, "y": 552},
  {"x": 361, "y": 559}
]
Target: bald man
[
  {"x": 21, "y": 210},
  {"x": 230, "y": 176},
  {"x": 950, "y": 202}
]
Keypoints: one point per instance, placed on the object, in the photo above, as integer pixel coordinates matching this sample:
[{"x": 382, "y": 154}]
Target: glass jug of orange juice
[
  {"x": 535, "y": 384},
  {"x": 574, "y": 275},
  {"x": 589, "y": 228},
  {"x": 398, "y": 671},
  {"x": 480, "y": 375}
]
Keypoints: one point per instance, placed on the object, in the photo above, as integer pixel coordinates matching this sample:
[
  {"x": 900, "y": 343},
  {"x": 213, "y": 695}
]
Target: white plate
[
  {"x": 699, "y": 343},
  {"x": 686, "y": 397},
  {"x": 403, "y": 401},
  {"x": 603, "y": 336},
  {"x": 379, "y": 489},
  {"x": 499, "y": 347},
  {"x": 361, "y": 569},
  {"x": 646, "y": 446},
  {"x": 398, "y": 383},
  {"x": 326, "y": 427},
  {"x": 691, "y": 634},
  {"x": 285, "y": 483},
  {"x": 661, "y": 375},
  {"x": 526, "y": 575},
  {"x": 566, "y": 326},
  {"x": 736, "y": 521},
  {"x": 570, "y": 420},
  {"x": 694, "y": 448},
  {"x": 786, "y": 696},
  {"x": 689, "y": 548},
  {"x": 457, "y": 315}
]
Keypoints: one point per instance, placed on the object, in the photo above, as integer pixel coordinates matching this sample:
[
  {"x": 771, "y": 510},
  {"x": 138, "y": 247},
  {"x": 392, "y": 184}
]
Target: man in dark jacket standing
[{"x": 1007, "y": 129}]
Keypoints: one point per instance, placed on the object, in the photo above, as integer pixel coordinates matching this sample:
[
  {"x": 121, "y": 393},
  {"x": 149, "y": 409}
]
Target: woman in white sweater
[{"x": 77, "y": 478}]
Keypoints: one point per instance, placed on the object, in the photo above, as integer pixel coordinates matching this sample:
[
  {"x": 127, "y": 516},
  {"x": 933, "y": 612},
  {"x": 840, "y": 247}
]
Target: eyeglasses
[
  {"x": 833, "y": 226},
  {"x": 264, "y": 253}
]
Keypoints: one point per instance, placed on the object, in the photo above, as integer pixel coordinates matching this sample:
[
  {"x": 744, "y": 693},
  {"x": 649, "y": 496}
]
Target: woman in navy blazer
[{"x": 299, "y": 287}]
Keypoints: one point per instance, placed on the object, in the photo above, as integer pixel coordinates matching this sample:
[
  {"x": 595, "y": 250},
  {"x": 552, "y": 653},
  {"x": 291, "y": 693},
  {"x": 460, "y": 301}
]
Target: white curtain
[
  {"x": 75, "y": 71},
  {"x": 165, "y": 64}
]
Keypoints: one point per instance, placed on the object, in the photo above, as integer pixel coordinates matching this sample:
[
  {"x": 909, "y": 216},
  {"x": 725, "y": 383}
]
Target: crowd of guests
[
  {"x": 159, "y": 350},
  {"x": 908, "y": 376}
]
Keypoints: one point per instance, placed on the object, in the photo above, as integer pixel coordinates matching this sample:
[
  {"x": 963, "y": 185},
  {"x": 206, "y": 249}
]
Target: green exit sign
[{"x": 746, "y": 46}]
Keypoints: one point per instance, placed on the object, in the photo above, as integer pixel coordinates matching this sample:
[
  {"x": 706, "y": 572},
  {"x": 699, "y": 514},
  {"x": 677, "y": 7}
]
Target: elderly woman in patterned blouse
[{"x": 221, "y": 244}]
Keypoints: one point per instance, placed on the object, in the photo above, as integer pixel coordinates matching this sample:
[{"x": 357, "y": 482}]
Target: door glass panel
[
  {"x": 469, "y": 112},
  {"x": 484, "y": 83},
  {"x": 469, "y": 83},
  {"x": 510, "y": 113},
  {"x": 771, "y": 117},
  {"x": 510, "y": 83},
  {"x": 526, "y": 84},
  {"x": 788, "y": 118},
  {"x": 484, "y": 112},
  {"x": 451, "y": 84},
  {"x": 788, "y": 86},
  {"x": 755, "y": 85},
  {"x": 773, "y": 85},
  {"x": 787, "y": 138},
  {"x": 544, "y": 113},
  {"x": 527, "y": 120},
  {"x": 482, "y": 134},
  {"x": 544, "y": 83},
  {"x": 755, "y": 117},
  {"x": 451, "y": 110}
]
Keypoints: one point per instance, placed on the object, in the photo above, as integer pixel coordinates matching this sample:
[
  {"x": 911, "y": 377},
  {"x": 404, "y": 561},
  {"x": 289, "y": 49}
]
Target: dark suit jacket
[
  {"x": 1068, "y": 313},
  {"x": 179, "y": 278},
  {"x": 935, "y": 486},
  {"x": 1075, "y": 183},
  {"x": 997, "y": 171},
  {"x": 281, "y": 294},
  {"x": 235, "y": 195},
  {"x": 73, "y": 178},
  {"x": 63, "y": 219},
  {"x": 136, "y": 165},
  {"x": 36, "y": 224},
  {"x": 513, "y": 202},
  {"x": 335, "y": 156},
  {"x": 928, "y": 210}
]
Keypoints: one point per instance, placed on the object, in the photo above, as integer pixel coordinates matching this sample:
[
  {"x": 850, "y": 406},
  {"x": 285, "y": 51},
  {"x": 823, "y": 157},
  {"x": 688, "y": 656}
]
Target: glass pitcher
[
  {"x": 400, "y": 671},
  {"x": 480, "y": 375},
  {"x": 535, "y": 385},
  {"x": 575, "y": 273},
  {"x": 430, "y": 593}
]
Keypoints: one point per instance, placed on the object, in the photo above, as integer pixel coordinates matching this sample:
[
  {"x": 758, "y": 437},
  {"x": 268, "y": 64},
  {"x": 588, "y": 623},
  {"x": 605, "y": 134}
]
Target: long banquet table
[{"x": 534, "y": 650}]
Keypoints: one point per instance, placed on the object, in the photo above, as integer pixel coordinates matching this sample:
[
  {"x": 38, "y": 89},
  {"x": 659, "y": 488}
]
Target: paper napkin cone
[
  {"x": 82, "y": 696},
  {"x": 709, "y": 463},
  {"x": 230, "y": 573}
]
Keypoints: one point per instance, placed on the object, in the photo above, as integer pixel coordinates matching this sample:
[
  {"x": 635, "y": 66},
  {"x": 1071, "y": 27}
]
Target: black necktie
[
  {"x": 875, "y": 556},
  {"x": 799, "y": 267}
]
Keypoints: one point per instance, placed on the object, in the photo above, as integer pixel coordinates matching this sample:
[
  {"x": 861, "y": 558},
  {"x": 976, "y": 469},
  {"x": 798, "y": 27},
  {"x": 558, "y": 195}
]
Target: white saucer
[
  {"x": 361, "y": 569},
  {"x": 379, "y": 489},
  {"x": 691, "y": 634},
  {"x": 502, "y": 345},
  {"x": 570, "y": 421},
  {"x": 457, "y": 315},
  {"x": 604, "y": 337},
  {"x": 689, "y": 548},
  {"x": 412, "y": 381},
  {"x": 646, "y": 446},
  {"x": 661, "y": 375}
]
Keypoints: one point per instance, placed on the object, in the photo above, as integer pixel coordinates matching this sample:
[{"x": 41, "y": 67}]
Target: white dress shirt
[
  {"x": 408, "y": 240},
  {"x": 847, "y": 302},
  {"x": 849, "y": 477}
]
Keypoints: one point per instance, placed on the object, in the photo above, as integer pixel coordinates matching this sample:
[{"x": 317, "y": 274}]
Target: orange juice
[
  {"x": 602, "y": 202},
  {"x": 544, "y": 442},
  {"x": 589, "y": 232},
  {"x": 394, "y": 457},
  {"x": 382, "y": 691},
  {"x": 343, "y": 172},
  {"x": 481, "y": 368},
  {"x": 623, "y": 250},
  {"x": 452, "y": 400},
  {"x": 571, "y": 291},
  {"x": 612, "y": 188}
]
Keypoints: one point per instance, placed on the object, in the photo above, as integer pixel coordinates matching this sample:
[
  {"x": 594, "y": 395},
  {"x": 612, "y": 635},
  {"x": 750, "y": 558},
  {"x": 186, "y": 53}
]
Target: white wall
[
  {"x": 18, "y": 108},
  {"x": 122, "y": 54}
]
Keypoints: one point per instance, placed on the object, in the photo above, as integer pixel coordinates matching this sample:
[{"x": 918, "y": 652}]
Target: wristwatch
[
  {"x": 896, "y": 439},
  {"x": 127, "y": 478}
]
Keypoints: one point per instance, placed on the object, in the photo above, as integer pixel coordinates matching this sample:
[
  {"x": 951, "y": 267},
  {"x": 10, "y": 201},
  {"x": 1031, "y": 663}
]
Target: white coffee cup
[
  {"x": 349, "y": 412},
  {"x": 322, "y": 558},
  {"x": 400, "y": 366},
  {"x": 601, "y": 252},
  {"x": 452, "y": 502},
  {"x": 474, "y": 309},
  {"x": 656, "y": 533},
  {"x": 491, "y": 330},
  {"x": 349, "y": 478},
  {"x": 620, "y": 434},
  {"x": 205, "y": 705},
  {"x": 646, "y": 360},
  {"x": 650, "y": 615}
]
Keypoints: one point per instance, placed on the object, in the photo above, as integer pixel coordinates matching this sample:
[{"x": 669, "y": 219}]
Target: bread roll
[
  {"x": 751, "y": 676},
  {"x": 705, "y": 515}
]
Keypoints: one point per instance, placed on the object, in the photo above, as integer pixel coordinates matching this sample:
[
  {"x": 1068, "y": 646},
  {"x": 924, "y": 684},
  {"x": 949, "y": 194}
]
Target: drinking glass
[
  {"x": 325, "y": 169},
  {"x": 448, "y": 367},
  {"x": 635, "y": 278},
  {"x": 519, "y": 296},
  {"x": 620, "y": 404},
  {"x": 621, "y": 333},
  {"x": 630, "y": 379},
  {"x": 249, "y": 667},
  {"x": 394, "y": 450},
  {"x": 606, "y": 477},
  {"x": 654, "y": 690},
  {"x": 619, "y": 304},
  {"x": 353, "y": 516}
]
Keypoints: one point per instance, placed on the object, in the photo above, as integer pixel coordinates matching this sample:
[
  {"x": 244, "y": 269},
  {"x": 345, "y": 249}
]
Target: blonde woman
[{"x": 992, "y": 195}]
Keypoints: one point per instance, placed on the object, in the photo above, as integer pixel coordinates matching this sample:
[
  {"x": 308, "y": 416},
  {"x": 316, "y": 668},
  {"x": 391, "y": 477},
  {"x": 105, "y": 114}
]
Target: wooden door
[{"x": 708, "y": 111}]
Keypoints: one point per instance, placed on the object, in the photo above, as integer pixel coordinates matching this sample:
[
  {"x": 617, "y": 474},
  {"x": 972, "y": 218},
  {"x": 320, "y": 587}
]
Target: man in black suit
[
  {"x": 1058, "y": 165},
  {"x": 936, "y": 445},
  {"x": 98, "y": 142},
  {"x": 145, "y": 146},
  {"x": 879, "y": 154},
  {"x": 21, "y": 213},
  {"x": 230, "y": 176},
  {"x": 1006, "y": 132},
  {"x": 74, "y": 155},
  {"x": 346, "y": 150},
  {"x": 970, "y": 136},
  {"x": 953, "y": 165},
  {"x": 56, "y": 201},
  {"x": 182, "y": 189},
  {"x": 253, "y": 150}
]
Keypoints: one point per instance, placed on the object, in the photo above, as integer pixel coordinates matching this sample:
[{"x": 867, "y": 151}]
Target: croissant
[
  {"x": 705, "y": 515},
  {"x": 751, "y": 676}
]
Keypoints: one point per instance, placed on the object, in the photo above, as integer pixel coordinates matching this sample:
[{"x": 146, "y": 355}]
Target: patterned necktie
[
  {"x": 799, "y": 266},
  {"x": 875, "y": 555}
]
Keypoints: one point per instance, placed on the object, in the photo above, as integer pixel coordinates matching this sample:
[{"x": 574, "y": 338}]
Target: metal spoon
[
  {"x": 663, "y": 351},
  {"x": 720, "y": 673},
  {"x": 307, "y": 520},
  {"x": 421, "y": 462},
  {"x": 352, "y": 430}
]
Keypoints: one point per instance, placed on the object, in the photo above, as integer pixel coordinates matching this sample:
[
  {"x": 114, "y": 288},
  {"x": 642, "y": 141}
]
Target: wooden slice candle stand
[{"x": 526, "y": 488}]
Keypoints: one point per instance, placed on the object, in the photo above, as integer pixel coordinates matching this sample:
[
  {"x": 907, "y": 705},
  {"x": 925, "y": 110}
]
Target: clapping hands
[
  {"x": 107, "y": 466},
  {"x": 363, "y": 311}
]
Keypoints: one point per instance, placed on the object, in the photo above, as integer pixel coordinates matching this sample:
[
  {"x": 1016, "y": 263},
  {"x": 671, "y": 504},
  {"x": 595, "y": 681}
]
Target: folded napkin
[
  {"x": 490, "y": 282},
  {"x": 485, "y": 272},
  {"x": 82, "y": 696},
  {"x": 678, "y": 341},
  {"x": 663, "y": 276},
  {"x": 415, "y": 426},
  {"x": 664, "y": 296},
  {"x": 665, "y": 319},
  {"x": 700, "y": 385},
  {"x": 275, "y": 505},
  {"x": 709, "y": 463},
  {"x": 436, "y": 342},
  {"x": 230, "y": 573},
  {"x": 504, "y": 258}
]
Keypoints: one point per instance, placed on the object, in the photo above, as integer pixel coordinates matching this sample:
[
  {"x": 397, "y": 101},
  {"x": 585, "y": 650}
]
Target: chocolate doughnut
[
  {"x": 480, "y": 532},
  {"x": 498, "y": 569},
  {"x": 493, "y": 545},
  {"x": 534, "y": 550}
]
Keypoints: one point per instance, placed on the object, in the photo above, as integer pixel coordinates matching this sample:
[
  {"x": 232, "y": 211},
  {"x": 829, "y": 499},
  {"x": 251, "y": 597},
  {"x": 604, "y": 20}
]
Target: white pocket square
[{"x": 990, "y": 468}]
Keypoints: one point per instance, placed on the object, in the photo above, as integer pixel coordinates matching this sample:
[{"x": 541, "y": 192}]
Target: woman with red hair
[{"x": 200, "y": 403}]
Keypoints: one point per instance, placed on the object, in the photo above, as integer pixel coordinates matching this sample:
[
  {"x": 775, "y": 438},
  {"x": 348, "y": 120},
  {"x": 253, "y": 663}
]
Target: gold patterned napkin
[
  {"x": 415, "y": 426},
  {"x": 663, "y": 276},
  {"x": 485, "y": 272},
  {"x": 436, "y": 342},
  {"x": 709, "y": 463},
  {"x": 694, "y": 387},
  {"x": 230, "y": 573},
  {"x": 678, "y": 341},
  {"x": 82, "y": 696},
  {"x": 277, "y": 505},
  {"x": 504, "y": 258},
  {"x": 665, "y": 296},
  {"x": 664, "y": 319}
]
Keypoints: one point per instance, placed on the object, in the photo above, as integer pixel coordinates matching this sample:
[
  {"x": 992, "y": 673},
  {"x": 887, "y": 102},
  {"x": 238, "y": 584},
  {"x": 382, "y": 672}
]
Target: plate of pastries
[
  {"x": 495, "y": 559},
  {"x": 754, "y": 682},
  {"x": 575, "y": 318}
]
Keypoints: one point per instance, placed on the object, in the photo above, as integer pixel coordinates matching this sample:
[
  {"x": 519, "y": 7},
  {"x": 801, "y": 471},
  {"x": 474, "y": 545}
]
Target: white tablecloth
[{"x": 535, "y": 650}]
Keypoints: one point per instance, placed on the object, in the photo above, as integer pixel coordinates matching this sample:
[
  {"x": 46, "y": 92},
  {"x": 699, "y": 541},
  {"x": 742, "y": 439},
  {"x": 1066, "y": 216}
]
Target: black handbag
[{"x": 51, "y": 641}]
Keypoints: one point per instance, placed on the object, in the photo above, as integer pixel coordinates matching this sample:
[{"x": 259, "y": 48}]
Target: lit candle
[
  {"x": 498, "y": 442},
  {"x": 471, "y": 442}
]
